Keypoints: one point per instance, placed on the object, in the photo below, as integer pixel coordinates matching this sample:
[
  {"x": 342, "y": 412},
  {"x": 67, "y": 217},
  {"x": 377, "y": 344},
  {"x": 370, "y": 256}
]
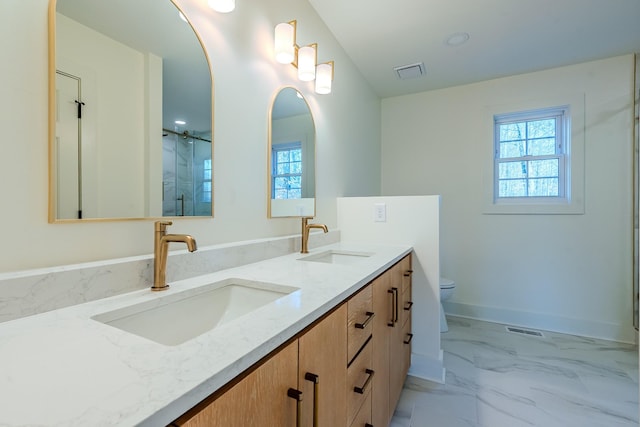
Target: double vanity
[{"x": 187, "y": 354}]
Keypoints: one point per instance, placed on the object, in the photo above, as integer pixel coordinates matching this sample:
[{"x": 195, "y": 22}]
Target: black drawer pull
[
  {"x": 360, "y": 390},
  {"x": 315, "y": 380},
  {"x": 297, "y": 396},
  {"x": 394, "y": 306},
  {"x": 366, "y": 322},
  {"x": 409, "y": 340}
]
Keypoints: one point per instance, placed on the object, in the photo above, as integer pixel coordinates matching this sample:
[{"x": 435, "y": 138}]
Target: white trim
[
  {"x": 546, "y": 322},
  {"x": 426, "y": 368},
  {"x": 574, "y": 201}
]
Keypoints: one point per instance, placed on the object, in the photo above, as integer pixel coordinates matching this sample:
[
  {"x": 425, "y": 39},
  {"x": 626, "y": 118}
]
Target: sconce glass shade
[
  {"x": 324, "y": 76},
  {"x": 222, "y": 6},
  {"x": 307, "y": 63},
  {"x": 285, "y": 43}
]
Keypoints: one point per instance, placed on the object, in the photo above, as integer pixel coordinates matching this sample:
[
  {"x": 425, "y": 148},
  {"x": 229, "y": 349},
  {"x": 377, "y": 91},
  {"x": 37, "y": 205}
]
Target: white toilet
[{"x": 447, "y": 287}]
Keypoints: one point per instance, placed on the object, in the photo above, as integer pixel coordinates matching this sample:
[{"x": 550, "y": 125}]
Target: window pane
[
  {"x": 281, "y": 183},
  {"x": 283, "y": 168},
  {"x": 512, "y": 131},
  {"x": 512, "y": 188},
  {"x": 541, "y": 128},
  {"x": 542, "y": 147},
  {"x": 295, "y": 182},
  {"x": 543, "y": 168},
  {"x": 296, "y": 155},
  {"x": 206, "y": 192},
  {"x": 295, "y": 194},
  {"x": 281, "y": 194},
  {"x": 282, "y": 156},
  {"x": 512, "y": 170},
  {"x": 512, "y": 149},
  {"x": 207, "y": 174},
  {"x": 543, "y": 187},
  {"x": 296, "y": 167}
]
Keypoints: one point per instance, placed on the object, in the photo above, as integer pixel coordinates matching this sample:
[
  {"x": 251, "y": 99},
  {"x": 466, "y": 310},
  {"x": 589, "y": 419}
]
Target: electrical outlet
[{"x": 380, "y": 212}]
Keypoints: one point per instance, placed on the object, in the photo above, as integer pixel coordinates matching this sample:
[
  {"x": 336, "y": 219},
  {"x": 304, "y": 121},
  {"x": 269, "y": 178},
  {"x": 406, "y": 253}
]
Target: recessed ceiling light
[
  {"x": 180, "y": 122},
  {"x": 456, "y": 39}
]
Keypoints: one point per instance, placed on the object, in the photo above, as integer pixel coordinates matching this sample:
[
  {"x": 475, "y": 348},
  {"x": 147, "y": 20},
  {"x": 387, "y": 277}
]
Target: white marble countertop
[{"x": 61, "y": 368}]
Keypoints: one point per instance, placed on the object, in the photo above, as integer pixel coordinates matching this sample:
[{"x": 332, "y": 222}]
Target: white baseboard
[
  {"x": 565, "y": 325},
  {"x": 427, "y": 368}
]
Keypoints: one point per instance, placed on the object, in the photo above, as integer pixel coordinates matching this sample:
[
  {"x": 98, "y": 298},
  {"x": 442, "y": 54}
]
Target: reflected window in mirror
[
  {"x": 287, "y": 171},
  {"x": 130, "y": 112},
  {"x": 291, "y": 171}
]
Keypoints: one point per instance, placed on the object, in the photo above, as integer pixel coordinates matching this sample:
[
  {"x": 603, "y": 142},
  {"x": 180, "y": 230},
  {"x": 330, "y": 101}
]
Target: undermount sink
[
  {"x": 177, "y": 318},
  {"x": 337, "y": 257}
]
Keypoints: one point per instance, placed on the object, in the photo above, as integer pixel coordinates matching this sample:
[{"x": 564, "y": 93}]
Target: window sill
[{"x": 575, "y": 207}]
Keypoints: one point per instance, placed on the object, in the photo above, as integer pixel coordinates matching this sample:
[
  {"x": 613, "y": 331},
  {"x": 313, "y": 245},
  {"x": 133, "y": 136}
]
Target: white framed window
[
  {"x": 534, "y": 152},
  {"x": 530, "y": 155}
]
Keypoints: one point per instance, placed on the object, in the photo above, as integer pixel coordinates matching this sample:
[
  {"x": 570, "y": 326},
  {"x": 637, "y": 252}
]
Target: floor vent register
[{"x": 523, "y": 331}]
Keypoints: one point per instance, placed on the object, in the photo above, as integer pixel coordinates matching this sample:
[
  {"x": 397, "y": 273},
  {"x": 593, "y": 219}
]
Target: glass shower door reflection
[{"x": 186, "y": 176}]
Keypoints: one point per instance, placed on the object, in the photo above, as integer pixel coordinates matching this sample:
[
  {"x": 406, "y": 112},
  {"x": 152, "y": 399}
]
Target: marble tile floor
[{"x": 496, "y": 378}]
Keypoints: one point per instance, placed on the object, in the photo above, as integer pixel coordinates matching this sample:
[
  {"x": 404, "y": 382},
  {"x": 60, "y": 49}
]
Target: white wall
[
  {"x": 113, "y": 79},
  {"x": 245, "y": 78},
  {"x": 409, "y": 221},
  {"x": 570, "y": 273}
]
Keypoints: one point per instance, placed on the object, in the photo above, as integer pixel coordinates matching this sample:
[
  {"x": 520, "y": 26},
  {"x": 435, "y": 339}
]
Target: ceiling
[{"x": 506, "y": 37}]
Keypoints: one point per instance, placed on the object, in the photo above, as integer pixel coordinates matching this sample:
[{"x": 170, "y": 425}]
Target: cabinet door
[
  {"x": 382, "y": 301},
  {"x": 260, "y": 399},
  {"x": 323, "y": 371},
  {"x": 396, "y": 354}
]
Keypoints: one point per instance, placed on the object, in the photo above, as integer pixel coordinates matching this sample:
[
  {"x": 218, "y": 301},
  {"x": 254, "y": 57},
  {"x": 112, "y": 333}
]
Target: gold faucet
[
  {"x": 161, "y": 250},
  {"x": 305, "y": 232}
]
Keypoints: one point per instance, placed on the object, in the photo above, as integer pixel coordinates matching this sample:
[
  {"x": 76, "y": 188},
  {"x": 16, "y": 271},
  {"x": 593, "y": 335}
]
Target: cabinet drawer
[
  {"x": 363, "y": 418},
  {"x": 359, "y": 381},
  {"x": 359, "y": 323}
]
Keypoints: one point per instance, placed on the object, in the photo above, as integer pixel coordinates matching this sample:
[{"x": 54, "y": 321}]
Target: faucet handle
[{"x": 162, "y": 225}]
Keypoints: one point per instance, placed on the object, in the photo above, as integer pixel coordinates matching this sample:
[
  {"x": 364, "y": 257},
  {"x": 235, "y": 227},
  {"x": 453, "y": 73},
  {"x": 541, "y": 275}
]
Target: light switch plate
[{"x": 380, "y": 212}]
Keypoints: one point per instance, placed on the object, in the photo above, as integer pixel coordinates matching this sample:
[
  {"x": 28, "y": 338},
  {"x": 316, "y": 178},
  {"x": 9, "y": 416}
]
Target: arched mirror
[
  {"x": 130, "y": 112},
  {"x": 292, "y": 153}
]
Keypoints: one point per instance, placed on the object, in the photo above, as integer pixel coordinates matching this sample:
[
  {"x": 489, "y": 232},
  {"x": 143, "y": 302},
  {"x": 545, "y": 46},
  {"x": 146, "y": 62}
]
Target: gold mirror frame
[
  {"x": 52, "y": 208},
  {"x": 303, "y": 208}
]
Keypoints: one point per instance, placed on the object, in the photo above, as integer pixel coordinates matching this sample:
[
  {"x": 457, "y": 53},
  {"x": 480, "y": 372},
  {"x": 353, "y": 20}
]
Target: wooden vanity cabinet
[
  {"x": 391, "y": 338},
  {"x": 400, "y": 342},
  {"x": 311, "y": 367},
  {"x": 382, "y": 301},
  {"x": 260, "y": 398},
  {"x": 360, "y": 370},
  {"x": 322, "y": 373},
  {"x": 347, "y": 369}
]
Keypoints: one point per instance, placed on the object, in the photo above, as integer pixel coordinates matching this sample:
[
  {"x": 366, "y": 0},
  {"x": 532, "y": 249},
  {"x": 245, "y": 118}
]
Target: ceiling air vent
[{"x": 410, "y": 71}]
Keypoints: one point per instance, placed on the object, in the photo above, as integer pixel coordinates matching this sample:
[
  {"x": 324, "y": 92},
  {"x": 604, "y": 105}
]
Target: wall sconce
[
  {"x": 285, "y": 42},
  {"x": 222, "y": 6},
  {"x": 324, "y": 77},
  {"x": 307, "y": 58},
  {"x": 303, "y": 58}
]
